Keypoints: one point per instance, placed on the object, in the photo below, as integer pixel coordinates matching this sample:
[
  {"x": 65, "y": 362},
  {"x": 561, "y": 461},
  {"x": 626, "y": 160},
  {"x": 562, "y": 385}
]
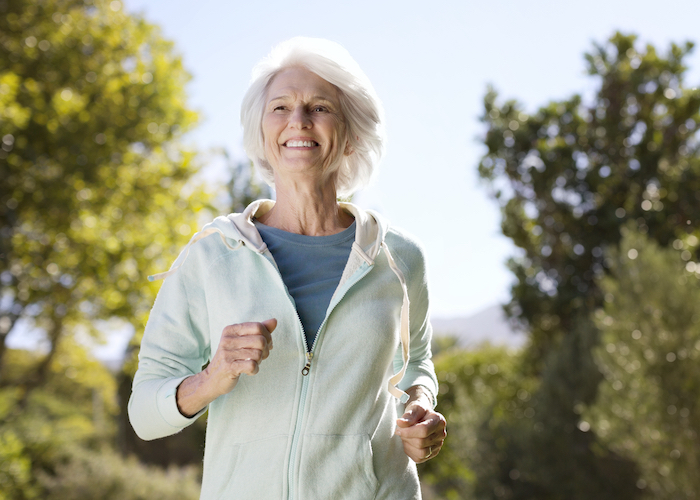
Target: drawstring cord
[{"x": 405, "y": 332}]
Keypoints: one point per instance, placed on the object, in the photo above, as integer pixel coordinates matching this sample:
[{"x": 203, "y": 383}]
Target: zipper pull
[{"x": 307, "y": 367}]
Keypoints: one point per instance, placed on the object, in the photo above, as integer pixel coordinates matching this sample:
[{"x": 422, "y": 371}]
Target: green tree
[
  {"x": 648, "y": 406},
  {"x": 93, "y": 197},
  {"x": 552, "y": 454},
  {"x": 74, "y": 408},
  {"x": 96, "y": 194},
  {"x": 567, "y": 177},
  {"x": 62, "y": 446}
]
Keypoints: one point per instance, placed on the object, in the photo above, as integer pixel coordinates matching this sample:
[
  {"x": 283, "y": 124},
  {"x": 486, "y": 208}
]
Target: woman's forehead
[{"x": 295, "y": 81}]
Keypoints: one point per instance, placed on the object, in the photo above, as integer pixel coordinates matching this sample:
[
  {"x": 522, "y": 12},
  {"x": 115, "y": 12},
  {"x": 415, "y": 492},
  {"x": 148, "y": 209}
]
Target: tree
[
  {"x": 553, "y": 455},
  {"x": 62, "y": 447},
  {"x": 108, "y": 476},
  {"x": 93, "y": 198},
  {"x": 567, "y": 178},
  {"x": 74, "y": 408},
  {"x": 648, "y": 407}
]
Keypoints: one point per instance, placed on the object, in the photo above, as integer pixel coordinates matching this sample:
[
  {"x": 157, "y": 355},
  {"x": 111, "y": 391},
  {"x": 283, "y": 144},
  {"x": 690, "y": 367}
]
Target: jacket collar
[{"x": 370, "y": 230}]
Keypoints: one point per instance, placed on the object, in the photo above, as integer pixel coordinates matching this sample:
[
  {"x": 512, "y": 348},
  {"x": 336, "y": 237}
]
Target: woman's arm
[
  {"x": 175, "y": 345},
  {"x": 421, "y": 429},
  {"x": 420, "y": 370}
]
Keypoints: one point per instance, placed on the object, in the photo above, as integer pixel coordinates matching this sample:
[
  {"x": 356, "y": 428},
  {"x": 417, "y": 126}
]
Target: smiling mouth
[{"x": 300, "y": 144}]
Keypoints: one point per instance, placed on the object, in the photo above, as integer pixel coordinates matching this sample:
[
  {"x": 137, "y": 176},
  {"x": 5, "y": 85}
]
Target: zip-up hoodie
[{"x": 316, "y": 422}]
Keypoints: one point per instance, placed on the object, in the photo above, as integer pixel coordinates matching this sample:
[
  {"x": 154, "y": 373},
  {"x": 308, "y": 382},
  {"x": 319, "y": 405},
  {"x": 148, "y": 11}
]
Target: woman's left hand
[{"x": 421, "y": 429}]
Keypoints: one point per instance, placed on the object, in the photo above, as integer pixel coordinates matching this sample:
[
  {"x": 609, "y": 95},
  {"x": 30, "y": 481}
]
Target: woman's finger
[
  {"x": 420, "y": 443},
  {"x": 421, "y": 454},
  {"x": 432, "y": 422}
]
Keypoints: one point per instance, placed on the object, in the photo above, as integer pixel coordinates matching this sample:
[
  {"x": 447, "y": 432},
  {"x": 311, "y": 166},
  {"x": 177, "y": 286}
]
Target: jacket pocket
[
  {"x": 245, "y": 471},
  {"x": 334, "y": 466}
]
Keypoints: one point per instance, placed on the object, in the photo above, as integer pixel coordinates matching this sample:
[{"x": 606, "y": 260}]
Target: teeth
[{"x": 300, "y": 144}]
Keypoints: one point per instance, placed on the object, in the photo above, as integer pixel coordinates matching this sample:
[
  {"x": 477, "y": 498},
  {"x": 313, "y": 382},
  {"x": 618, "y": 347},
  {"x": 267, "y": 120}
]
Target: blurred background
[{"x": 546, "y": 154}]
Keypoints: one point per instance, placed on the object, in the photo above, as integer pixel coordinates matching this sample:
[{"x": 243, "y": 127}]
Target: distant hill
[{"x": 489, "y": 325}]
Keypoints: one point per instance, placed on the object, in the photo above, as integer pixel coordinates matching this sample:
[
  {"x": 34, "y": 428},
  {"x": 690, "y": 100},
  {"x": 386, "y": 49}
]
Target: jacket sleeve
[
  {"x": 420, "y": 370},
  {"x": 175, "y": 345}
]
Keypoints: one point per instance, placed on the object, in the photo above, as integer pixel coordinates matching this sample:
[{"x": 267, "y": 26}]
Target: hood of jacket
[{"x": 237, "y": 229}]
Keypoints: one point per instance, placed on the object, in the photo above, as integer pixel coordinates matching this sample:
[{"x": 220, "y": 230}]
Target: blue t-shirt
[{"x": 311, "y": 267}]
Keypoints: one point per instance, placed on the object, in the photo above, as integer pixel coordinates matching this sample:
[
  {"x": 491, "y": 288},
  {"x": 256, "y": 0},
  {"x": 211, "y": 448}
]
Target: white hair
[{"x": 361, "y": 108}]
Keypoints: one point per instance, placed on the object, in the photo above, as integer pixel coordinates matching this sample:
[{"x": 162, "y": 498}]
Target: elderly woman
[{"x": 327, "y": 283}]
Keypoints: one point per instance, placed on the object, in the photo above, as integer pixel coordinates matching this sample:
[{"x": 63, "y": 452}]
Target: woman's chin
[{"x": 311, "y": 167}]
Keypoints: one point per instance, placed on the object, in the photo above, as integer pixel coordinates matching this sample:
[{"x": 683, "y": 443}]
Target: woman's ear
[{"x": 348, "y": 148}]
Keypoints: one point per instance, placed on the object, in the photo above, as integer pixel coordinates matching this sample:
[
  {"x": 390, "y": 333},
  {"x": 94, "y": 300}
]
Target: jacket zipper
[
  {"x": 305, "y": 379},
  {"x": 304, "y": 384},
  {"x": 307, "y": 367},
  {"x": 310, "y": 352}
]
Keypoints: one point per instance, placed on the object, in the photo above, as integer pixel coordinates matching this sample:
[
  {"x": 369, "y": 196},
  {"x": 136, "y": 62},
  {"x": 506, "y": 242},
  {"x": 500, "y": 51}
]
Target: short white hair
[{"x": 361, "y": 108}]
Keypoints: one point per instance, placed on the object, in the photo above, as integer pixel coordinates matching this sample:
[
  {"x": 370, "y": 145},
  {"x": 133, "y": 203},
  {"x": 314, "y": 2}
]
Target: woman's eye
[{"x": 319, "y": 109}]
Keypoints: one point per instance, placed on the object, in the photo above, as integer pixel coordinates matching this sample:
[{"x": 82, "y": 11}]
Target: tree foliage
[
  {"x": 62, "y": 446},
  {"x": 74, "y": 408},
  {"x": 96, "y": 194},
  {"x": 92, "y": 105},
  {"x": 554, "y": 455},
  {"x": 243, "y": 187},
  {"x": 567, "y": 178},
  {"x": 648, "y": 407}
]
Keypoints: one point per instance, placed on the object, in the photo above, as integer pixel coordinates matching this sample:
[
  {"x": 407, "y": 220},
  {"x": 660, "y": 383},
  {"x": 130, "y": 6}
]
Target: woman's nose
[{"x": 300, "y": 118}]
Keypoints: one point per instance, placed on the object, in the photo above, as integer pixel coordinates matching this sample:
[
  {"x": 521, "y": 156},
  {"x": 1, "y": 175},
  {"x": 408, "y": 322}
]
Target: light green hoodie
[{"x": 281, "y": 434}]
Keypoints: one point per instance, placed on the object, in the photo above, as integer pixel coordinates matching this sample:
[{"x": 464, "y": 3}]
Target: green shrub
[{"x": 106, "y": 475}]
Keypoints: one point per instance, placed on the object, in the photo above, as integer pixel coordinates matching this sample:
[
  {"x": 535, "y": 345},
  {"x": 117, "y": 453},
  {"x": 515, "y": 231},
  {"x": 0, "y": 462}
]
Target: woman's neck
[{"x": 306, "y": 209}]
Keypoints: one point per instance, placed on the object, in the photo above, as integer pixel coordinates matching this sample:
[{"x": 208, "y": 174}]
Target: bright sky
[{"x": 430, "y": 63}]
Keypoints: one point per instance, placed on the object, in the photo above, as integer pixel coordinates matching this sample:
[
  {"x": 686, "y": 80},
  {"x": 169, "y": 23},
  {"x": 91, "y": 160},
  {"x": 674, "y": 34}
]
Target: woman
[{"x": 326, "y": 282}]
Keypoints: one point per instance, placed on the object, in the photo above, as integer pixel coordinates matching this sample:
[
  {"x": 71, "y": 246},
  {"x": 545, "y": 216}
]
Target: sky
[{"x": 430, "y": 63}]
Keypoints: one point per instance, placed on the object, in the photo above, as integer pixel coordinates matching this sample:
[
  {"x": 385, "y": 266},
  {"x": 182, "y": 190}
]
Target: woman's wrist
[
  {"x": 421, "y": 395},
  {"x": 192, "y": 395}
]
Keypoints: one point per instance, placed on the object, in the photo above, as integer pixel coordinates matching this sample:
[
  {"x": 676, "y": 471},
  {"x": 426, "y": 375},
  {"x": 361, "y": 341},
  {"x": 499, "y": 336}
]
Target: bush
[{"x": 106, "y": 475}]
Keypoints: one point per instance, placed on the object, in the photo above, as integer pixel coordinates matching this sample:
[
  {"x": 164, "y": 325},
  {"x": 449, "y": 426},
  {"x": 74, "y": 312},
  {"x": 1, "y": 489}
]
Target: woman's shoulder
[
  {"x": 404, "y": 240},
  {"x": 406, "y": 247}
]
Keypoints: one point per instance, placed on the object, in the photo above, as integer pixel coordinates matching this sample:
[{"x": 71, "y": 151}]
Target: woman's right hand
[{"x": 241, "y": 349}]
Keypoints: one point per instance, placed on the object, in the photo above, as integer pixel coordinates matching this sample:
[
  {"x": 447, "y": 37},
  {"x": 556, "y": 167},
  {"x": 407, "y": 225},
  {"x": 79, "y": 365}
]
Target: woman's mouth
[{"x": 300, "y": 144}]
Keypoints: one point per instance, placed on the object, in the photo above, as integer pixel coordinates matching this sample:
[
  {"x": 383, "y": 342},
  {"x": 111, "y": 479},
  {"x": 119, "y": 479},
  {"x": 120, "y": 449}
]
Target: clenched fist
[
  {"x": 421, "y": 429},
  {"x": 241, "y": 349}
]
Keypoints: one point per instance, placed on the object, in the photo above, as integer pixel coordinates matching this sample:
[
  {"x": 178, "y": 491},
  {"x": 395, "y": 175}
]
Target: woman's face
[{"x": 303, "y": 125}]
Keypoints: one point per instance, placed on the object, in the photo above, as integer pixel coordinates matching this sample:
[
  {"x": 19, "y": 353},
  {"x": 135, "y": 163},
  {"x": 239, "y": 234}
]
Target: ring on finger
[{"x": 430, "y": 452}]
